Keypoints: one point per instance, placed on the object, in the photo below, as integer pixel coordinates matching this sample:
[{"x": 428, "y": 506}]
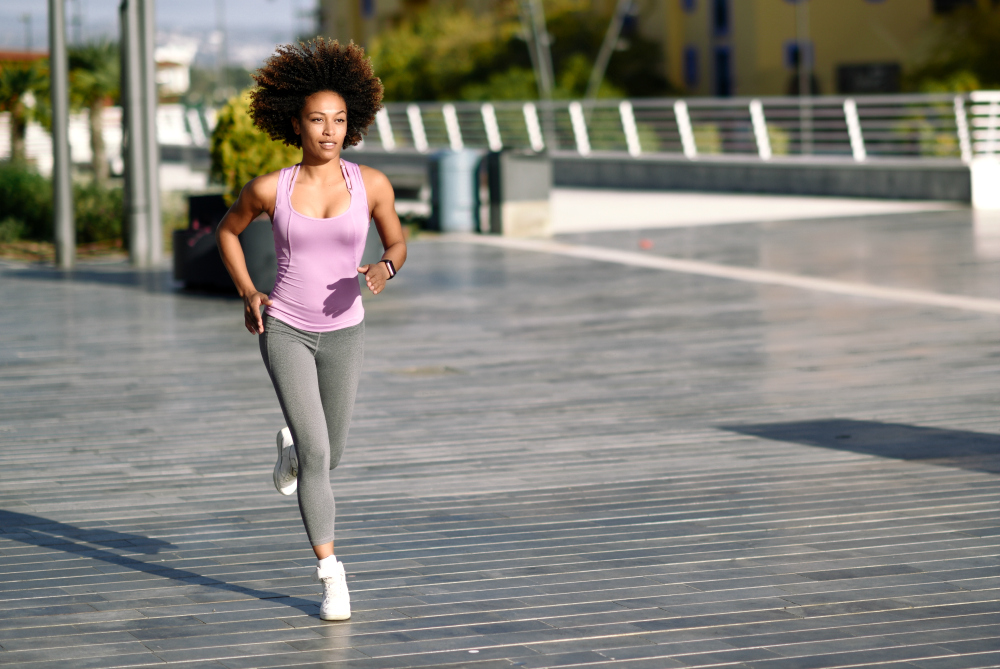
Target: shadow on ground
[
  {"x": 85, "y": 542},
  {"x": 977, "y": 451},
  {"x": 119, "y": 274}
]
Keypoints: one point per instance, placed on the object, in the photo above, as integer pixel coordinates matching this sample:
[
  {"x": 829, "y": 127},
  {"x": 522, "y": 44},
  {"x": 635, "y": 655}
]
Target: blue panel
[
  {"x": 723, "y": 83},
  {"x": 721, "y": 17},
  {"x": 691, "y": 67}
]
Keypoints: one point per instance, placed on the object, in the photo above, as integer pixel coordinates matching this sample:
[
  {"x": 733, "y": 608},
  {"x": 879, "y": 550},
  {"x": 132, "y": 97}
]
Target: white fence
[
  {"x": 899, "y": 127},
  {"x": 176, "y": 125}
]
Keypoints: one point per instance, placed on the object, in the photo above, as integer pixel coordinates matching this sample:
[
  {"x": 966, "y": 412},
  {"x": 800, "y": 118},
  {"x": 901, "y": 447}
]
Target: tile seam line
[{"x": 745, "y": 274}]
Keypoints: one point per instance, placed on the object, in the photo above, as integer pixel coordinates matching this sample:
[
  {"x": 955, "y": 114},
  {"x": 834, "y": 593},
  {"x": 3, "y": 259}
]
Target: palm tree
[
  {"x": 94, "y": 84},
  {"x": 19, "y": 81}
]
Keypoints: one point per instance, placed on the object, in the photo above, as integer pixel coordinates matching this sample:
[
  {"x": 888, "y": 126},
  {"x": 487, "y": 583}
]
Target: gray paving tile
[{"x": 628, "y": 468}]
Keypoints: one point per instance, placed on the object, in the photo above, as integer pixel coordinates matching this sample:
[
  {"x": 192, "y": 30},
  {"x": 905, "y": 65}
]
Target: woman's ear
[{"x": 296, "y": 127}]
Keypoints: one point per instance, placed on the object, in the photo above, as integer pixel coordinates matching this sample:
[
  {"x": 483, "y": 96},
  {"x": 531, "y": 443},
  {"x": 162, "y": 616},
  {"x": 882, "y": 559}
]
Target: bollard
[
  {"x": 519, "y": 187},
  {"x": 453, "y": 190},
  {"x": 986, "y": 183}
]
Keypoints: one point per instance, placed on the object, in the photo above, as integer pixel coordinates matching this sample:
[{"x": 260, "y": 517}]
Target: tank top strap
[
  {"x": 286, "y": 178},
  {"x": 358, "y": 186}
]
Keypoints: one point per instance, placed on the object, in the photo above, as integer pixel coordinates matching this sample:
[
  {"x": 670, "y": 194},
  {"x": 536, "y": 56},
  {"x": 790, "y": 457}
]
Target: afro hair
[{"x": 295, "y": 72}]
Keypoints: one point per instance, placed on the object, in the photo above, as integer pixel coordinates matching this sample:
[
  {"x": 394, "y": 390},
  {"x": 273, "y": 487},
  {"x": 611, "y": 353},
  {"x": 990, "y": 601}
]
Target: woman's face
[{"x": 322, "y": 125}]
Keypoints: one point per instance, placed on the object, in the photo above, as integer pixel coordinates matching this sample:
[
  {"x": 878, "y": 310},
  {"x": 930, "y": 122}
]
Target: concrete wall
[
  {"x": 891, "y": 180},
  {"x": 930, "y": 180}
]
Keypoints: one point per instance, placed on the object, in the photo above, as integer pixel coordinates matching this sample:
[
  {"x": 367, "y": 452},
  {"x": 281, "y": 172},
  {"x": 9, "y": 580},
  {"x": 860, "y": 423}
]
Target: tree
[
  {"x": 966, "y": 53},
  {"x": 433, "y": 54},
  {"x": 19, "y": 82},
  {"x": 94, "y": 84},
  {"x": 446, "y": 52},
  {"x": 241, "y": 152}
]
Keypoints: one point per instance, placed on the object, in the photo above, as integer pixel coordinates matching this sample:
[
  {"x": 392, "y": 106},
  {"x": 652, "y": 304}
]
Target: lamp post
[
  {"x": 147, "y": 15},
  {"x": 139, "y": 97},
  {"x": 805, "y": 75},
  {"x": 62, "y": 192}
]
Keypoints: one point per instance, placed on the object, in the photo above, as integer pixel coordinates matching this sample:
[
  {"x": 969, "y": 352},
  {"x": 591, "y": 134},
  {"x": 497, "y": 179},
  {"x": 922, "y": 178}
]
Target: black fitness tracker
[{"x": 389, "y": 266}]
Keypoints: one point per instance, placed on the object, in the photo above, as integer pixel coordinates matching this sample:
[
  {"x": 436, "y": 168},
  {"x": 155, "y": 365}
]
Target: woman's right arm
[{"x": 257, "y": 197}]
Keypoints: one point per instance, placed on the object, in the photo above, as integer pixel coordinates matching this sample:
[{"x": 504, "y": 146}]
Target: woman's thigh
[
  {"x": 338, "y": 363},
  {"x": 289, "y": 357}
]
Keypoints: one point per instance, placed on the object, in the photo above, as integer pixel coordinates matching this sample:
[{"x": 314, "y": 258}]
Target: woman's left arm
[{"x": 382, "y": 204}]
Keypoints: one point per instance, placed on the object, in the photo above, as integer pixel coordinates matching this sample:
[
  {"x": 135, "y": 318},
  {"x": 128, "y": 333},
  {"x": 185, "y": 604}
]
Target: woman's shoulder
[
  {"x": 265, "y": 184},
  {"x": 373, "y": 178}
]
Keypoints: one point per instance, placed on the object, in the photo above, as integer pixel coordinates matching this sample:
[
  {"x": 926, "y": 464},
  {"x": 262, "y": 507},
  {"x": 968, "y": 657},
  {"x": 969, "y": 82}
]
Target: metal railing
[{"x": 900, "y": 127}]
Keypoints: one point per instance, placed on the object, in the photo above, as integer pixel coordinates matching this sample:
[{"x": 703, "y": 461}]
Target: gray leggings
[{"x": 315, "y": 375}]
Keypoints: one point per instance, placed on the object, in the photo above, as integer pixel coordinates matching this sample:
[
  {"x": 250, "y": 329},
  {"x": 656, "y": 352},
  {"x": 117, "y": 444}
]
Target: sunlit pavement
[{"x": 556, "y": 460}]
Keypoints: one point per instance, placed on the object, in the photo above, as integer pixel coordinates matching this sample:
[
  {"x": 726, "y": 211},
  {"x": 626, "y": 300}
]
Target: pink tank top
[{"x": 316, "y": 288}]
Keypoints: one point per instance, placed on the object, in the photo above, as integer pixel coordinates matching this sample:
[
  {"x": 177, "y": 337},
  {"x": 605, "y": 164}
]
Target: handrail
[
  {"x": 864, "y": 128},
  {"x": 858, "y": 128}
]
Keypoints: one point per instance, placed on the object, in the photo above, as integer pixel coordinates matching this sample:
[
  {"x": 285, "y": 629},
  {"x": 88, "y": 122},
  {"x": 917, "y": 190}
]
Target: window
[
  {"x": 948, "y": 6},
  {"x": 723, "y": 72},
  {"x": 793, "y": 52},
  {"x": 691, "y": 67},
  {"x": 368, "y": 8},
  {"x": 869, "y": 78},
  {"x": 720, "y": 17},
  {"x": 688, "y": 5}
]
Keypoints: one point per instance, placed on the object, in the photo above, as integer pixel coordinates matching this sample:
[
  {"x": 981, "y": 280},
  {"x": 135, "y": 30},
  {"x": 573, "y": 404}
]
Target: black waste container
[{"x": 197, "y": 262}]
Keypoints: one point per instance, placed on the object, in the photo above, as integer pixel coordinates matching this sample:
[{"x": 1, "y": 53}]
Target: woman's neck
[{"x": 322, "y": 169}]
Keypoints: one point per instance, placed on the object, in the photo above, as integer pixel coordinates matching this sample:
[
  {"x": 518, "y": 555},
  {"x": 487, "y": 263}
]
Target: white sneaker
[
  {"x": 286, "y": 469},
  {"x": 336, "y": 599}
]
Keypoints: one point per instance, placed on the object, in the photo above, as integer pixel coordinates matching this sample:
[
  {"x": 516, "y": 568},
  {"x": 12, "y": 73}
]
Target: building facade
[
  {"x": 740, "y": 47},
  {"x": 755, "y": 47}
]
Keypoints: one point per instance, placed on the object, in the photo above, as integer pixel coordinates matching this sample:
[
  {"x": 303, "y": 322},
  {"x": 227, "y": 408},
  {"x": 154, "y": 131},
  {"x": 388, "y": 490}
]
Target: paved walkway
[{"x": 555, "y": 461}]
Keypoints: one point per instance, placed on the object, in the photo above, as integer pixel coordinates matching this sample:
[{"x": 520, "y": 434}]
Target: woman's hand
[
  {"x": 376, "y": 274},
  {"x": 251, "y": 311}
]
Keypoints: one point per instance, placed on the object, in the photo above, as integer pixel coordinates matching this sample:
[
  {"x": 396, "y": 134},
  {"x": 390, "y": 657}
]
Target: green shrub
[
  {"x": 26, "y": 207},
  {"x": 99, "y": 213},
  {"x": 26, "y": 197},
  {"x": 241, "y": 152},
  {"x": 11, "y": 230}
]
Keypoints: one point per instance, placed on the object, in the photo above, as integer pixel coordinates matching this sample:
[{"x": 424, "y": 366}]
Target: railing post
[
  {"x": 579, "y": 128},
  {"x": 854, "y": 130},
  {"x": 417, "y": 128},
  {"x": 631, "y": 130},
  {"x": 685, "y": 129},
  {"x": 492, "y": 127},
  {"x": 760, "y": 129},
  {"x": 65, "y": 228},
  {"x": 385, "y": 130},
  {"x": 451, "y": 125},
  {"x": 962, "y": 128},
  {"x": 534, "y": 127}
]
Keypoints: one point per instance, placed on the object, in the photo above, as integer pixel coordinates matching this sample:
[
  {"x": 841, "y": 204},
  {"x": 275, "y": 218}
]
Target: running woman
[{"x": 319, "y": 96}]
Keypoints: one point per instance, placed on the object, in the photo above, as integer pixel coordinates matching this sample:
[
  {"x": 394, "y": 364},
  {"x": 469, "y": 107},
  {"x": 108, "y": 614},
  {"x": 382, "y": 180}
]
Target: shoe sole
[
  {"x": 282, "y": 454},
  {"x": 335, "y": 618}
]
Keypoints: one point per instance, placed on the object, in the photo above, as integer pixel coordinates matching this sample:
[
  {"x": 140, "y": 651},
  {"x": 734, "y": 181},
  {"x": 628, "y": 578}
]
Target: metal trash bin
[{"x": 453, "y": 190}]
